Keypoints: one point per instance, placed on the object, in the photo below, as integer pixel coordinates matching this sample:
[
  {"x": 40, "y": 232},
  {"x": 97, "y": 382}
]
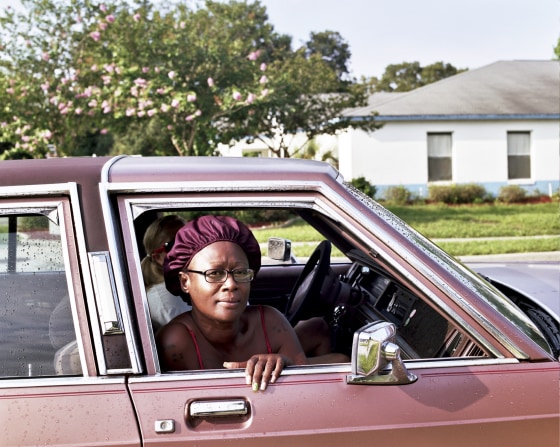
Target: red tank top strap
[
  {"x": 268, "y": 347},
  {"x": 193, "y": 336}
]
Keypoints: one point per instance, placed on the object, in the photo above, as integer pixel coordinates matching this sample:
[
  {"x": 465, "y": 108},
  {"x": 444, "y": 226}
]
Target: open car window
[{"x": 354, "y": 291}]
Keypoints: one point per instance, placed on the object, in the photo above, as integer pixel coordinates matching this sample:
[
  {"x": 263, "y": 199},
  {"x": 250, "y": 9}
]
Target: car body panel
[
  {"x": 507, "y": 392},
  {"x": 387, "y": 414},
  {"x": 67, "y": 412}
]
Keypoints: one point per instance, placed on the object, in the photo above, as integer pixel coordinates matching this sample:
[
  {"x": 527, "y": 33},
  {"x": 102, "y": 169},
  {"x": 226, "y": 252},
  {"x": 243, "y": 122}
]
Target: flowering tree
[
  {"x": 179, "y": 80},
  {"x": 86, "y": 68}
]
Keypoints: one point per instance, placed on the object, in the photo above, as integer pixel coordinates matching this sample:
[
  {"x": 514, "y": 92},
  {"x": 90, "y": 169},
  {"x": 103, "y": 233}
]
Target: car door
[
  {"x": 51, "y": 392},
  {"x": 485, "y": 399},
  {"x": 483, "y": 402}
]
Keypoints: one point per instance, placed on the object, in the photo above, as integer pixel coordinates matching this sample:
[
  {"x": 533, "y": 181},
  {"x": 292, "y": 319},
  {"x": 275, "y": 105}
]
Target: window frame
[
  {"x": 442, "y": 162},
  {"x": 519, "y": 156}
]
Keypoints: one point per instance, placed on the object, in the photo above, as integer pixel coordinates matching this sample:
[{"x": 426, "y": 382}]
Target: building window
[
  {"x": 519, "y": 155},
  {"x": 439, "y": 157}
]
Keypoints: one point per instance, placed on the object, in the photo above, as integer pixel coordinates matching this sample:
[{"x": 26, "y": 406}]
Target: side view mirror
[
  {"x": 376, "y": 358},
  {"x": 279, "y": 249}
]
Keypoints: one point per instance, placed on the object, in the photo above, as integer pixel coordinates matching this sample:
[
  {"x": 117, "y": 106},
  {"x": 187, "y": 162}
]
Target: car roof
[{"x": 88, "y": 171}]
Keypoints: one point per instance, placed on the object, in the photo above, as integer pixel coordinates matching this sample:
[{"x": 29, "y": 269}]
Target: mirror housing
[
  {"x": 279, "y": 249},
  {"x": 373, "y": 350}
]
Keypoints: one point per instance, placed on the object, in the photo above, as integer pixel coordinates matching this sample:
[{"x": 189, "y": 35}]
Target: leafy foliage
[
  {"x": 177, "y": 80},
  {"x": 407, "y": 76},
  {"x": 457, "y": 194}
]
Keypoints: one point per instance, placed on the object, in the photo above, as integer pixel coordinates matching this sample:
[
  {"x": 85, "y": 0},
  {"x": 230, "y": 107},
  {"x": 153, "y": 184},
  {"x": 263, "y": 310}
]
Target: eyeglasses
[
  {"x": 221, "y": 275},
  {"x": 164, "y": 248}
]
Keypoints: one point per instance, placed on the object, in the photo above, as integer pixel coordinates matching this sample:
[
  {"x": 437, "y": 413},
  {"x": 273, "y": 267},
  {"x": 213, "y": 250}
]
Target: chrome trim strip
[
  {"x": 212, "y": 186},
  {"x": 12, "y": 192},
  {"x": 339, "y": 368},
  {"x": 42, "y": 382},
  {"x": 134, "y": 347}
]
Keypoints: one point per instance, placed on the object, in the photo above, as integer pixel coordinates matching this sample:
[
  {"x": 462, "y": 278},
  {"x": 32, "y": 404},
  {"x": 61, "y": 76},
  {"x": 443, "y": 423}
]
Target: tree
[
  {"x": 175, "y": 80},
  {"x": 333, "y": 49},
  {"x": 557, "y": 49},
  {"x": 407, "y": 76}
]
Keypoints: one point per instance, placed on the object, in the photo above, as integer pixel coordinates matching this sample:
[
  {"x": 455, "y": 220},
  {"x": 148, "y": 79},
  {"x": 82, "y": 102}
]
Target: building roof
[{"x": 504, "y": 89}]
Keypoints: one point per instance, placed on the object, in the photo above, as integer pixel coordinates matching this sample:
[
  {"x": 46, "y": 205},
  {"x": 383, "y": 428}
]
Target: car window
[
  {"x": 36, "y": 328},
  {"x": 366, "y": 289}
]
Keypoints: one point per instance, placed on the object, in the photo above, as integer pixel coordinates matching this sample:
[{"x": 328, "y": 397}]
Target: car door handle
[{"x": 218, "y": 408}]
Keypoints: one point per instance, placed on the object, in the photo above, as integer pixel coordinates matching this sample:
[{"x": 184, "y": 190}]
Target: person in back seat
[{"x": 158, "y": 240}]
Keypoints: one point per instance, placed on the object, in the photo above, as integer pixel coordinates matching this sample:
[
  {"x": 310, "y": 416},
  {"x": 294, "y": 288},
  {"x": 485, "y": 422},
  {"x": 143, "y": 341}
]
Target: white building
[{"x": 493, "y": 126}]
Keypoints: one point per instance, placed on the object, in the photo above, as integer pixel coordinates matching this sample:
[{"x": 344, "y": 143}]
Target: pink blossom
[
  {"x": 264, "y": 92},
  {"x": 140, "y": 82},
  {"x": 103, "y": 7},
  {"x": 236, "y": 96},
  {"x": 106, "y": 79},
  {"x": 152, "y": 112},
  {"x": 169, "y": 127},
  {"x": 78, "y": 19},
  {"x": 182, "y": 25},
  {"x": 47, "y": 134},
  {"x": 64, "y": 110},
  {"x": 109, "y": 68},
  {"x": 165, "y": 108},
  {"x": 141, "y": 113},
  {"x": 251, "y": 98},
  {"x": 254, "y": 55},
  {"x": 171, "y": 74},
  {"x": 157, "y": 69},
  {"x": 25, "y": 138},
  {"x": 45, "y": 86},
  {"x": 104, "y": 104},
  {"x": 136, "y": 17},
  {"x": 103, "y": 131},
  {"x": 198, "y": 112},
  {"x": 106, "y": 110},
  {"x": 4, "y": 124},
  {"x": 95, "y": 35},
  {"x": 134, "y": 91},
  {"x": 263, "y": 79},
  {"x": 110, "y": 18},
  {"x": 78, "y": 111},
  {"x": 175, "y": 103},
  {"x": 210, "y": 82},
  {"x": 10, "y": 90},
  {"x": 145, "y": 69},
  {"x": 102, "y": 26},
  {"x": 46, "y": 56},
  {"x": 53, "y": 100},
  {"x": 191, "y": 97},
  {"x": 160, "y": 91},
  {"x": 92, "y": 103},
  {"x": 189, "y": 118},
  {"x": 130, "y": 111},
  {"x": 93, "y": 67},
  {"x": 263, "y": 67}
]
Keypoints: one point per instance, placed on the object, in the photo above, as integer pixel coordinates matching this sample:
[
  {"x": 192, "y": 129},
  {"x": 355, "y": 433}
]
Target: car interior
[{"x": 337, "y": 282}]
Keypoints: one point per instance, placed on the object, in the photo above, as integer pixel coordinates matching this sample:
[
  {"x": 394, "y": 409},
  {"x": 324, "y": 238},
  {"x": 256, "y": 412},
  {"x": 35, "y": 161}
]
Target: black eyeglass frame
[{"x": 228, "y": 272}]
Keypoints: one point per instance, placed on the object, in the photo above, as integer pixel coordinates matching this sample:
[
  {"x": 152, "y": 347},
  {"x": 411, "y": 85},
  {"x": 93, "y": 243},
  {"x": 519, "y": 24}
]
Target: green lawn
[{"x": 512, "y": 222}]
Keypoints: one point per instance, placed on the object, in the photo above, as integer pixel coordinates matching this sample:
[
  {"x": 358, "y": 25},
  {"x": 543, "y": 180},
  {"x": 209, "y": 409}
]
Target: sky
[{"x": 465, "y": 33}]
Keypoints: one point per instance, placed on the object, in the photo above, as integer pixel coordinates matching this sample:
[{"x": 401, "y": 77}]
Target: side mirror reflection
[{"x": 376, "y": 358}]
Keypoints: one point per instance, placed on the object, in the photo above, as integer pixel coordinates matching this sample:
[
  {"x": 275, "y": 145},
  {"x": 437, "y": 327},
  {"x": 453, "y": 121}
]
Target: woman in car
[{"x": 211, "y": 265}]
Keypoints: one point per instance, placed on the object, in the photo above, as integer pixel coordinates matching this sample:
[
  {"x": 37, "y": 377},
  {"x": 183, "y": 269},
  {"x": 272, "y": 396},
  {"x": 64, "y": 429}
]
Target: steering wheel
[{"x": 305, "y": 299}]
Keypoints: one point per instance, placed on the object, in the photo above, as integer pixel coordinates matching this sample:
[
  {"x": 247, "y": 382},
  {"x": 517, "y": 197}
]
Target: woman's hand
[{"x": 261, "y": 369}]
